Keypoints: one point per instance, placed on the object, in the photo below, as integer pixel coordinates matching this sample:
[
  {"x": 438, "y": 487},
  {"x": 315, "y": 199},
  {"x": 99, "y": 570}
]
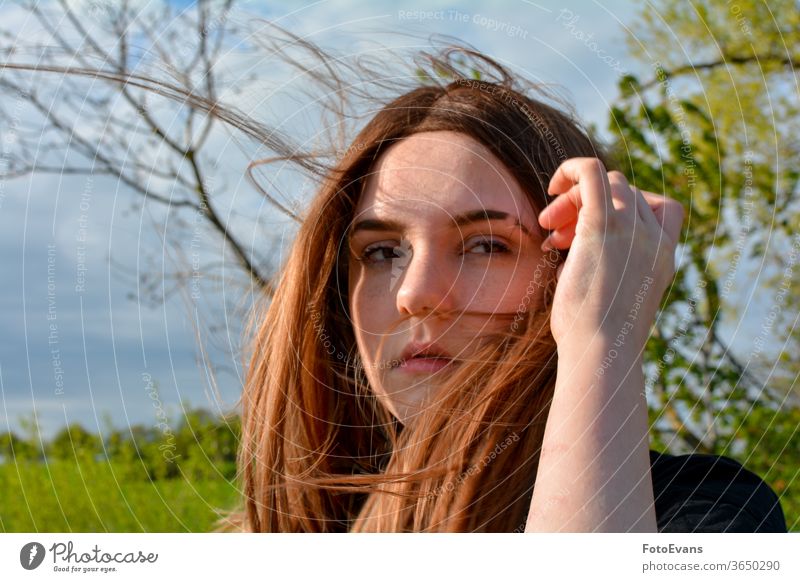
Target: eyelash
[{"x": 365, "y": 255}]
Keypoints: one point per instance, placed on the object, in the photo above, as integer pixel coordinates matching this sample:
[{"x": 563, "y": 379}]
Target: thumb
[{"x": 559, "y": 269}]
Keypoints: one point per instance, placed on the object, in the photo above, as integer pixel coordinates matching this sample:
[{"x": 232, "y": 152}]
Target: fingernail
[{"x": 547, "y": 244}]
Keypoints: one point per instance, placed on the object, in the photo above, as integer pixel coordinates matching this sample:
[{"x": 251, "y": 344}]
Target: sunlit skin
[{"x": 427, "y": 262}]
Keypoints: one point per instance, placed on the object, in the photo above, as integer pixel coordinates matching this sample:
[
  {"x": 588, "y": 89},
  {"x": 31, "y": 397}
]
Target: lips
[
  {"x": 424, "y": 351},
  {"x": 424, "y": 365}
]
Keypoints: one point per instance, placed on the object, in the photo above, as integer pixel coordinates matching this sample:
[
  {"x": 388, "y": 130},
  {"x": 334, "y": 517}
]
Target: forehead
[{"x": 434, "y": 175}]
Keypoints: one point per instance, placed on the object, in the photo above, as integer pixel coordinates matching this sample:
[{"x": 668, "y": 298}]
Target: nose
[{"x": 424, "y": 283}]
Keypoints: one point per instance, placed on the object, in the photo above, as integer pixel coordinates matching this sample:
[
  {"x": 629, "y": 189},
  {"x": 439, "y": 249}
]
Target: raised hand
[{"x": 622, "y": 252}]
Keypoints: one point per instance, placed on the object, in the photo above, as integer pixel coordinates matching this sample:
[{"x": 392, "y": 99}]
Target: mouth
[
  {"x": 424, "y": 364},
  {"x": 423, "y": 357}
]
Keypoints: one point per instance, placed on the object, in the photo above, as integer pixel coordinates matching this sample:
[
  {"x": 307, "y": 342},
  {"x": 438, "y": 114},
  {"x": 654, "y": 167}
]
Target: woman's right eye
[{"x": 381, "y": 253}]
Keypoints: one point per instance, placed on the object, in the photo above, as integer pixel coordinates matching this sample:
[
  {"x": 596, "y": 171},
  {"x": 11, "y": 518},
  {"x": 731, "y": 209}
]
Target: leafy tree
[
  {"x": 15, "y": 448},
  {"x": 713, "y": 122},
  {"x": 72, "y": 441}
]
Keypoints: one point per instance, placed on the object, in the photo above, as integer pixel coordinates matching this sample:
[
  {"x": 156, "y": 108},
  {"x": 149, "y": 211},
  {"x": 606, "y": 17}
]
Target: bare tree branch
[
  {"x": 789, "y": 61},
  {"x": 134, "y": 167}
]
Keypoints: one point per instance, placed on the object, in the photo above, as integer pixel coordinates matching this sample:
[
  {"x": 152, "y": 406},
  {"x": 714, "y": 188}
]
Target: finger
[
  {"x": 656, "y": 203},
  {"x": 595, "y": 190},
  {"x": 622, "y": 194},
  {"x": 644, "y": 209},
  {"x": 673, "y": 217},
  {"x": 560, "y": 211},
  {"x": 669, "y": 213},
  {"x": 563, "y": 210},
  {"x": 561, "y": 238}
]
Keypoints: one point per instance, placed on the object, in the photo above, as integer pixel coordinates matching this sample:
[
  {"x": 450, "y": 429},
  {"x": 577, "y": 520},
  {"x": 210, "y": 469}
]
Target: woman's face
[{"x": 441, "y": 227}]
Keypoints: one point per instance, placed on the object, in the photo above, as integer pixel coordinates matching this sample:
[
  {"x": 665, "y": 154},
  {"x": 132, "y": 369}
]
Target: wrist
[
  {"x": 602, "y": 353},
  {"x": 626, "y": 340}
]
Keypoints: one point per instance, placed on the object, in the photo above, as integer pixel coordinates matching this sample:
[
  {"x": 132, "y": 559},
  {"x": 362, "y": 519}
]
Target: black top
[{"x": 711, "y": 493}]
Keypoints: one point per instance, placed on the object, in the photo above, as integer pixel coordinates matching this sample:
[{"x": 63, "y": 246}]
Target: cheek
[
  {"x": 371, "y": 305},
  {"x": 500, "y": 288},
  {"x": 372, "y": 312}
]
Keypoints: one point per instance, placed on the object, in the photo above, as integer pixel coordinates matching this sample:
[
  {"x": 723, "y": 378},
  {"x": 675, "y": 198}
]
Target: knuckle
[
  {"x": 591, "y": 164},
  {"x": 617, "y": 176},
  {"x": 597, "y": 164}
]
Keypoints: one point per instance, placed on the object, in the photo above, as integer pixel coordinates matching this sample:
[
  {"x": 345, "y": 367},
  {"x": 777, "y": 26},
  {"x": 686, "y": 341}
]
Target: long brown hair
[{"x": 319, "y": 453}]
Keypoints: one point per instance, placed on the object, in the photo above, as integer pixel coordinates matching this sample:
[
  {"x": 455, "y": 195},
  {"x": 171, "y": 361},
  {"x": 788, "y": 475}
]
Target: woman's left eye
[{"x": 492, "y": 247}]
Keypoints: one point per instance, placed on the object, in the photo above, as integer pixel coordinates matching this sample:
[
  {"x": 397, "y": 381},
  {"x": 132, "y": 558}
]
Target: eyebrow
[{"x": 469, "y": 217}]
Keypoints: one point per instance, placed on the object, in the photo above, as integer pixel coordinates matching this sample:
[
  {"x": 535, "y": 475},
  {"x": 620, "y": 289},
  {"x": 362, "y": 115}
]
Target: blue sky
[{"x": 104, "y": 345}]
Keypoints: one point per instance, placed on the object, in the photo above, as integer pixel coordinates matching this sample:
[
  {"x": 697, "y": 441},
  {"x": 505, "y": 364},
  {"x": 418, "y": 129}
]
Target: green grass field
[
  {"x": 140, "y": 479},
  {"x": 183, "y": 480},
  {"x": 94, "y": 496}
]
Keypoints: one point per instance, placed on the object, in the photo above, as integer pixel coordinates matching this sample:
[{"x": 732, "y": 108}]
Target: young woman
[{"x": 455, "y": 342}]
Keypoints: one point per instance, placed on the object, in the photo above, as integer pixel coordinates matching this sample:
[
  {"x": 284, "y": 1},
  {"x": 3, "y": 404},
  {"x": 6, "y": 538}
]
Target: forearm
[{"x": 594, "y": 468}]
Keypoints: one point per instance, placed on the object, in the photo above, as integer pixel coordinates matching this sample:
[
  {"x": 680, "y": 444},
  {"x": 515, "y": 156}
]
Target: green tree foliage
[
  {"x": 13, "y": 447},
  {"x": 73, "y": 440},
  {"x": 711, "y": 119}
]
